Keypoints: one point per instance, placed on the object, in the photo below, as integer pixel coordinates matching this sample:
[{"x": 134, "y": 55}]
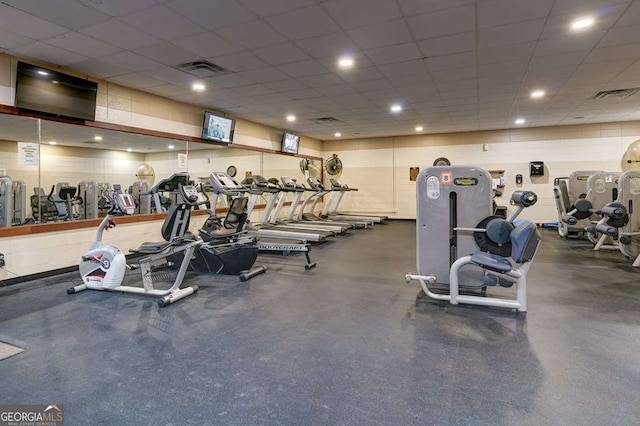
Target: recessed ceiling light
[
  {"x": 582, "y": 23},
  {"x": 419, "y": 128},
  {"x": 171, "y": 146},
  {"x": 338, "y": 134},
  {"x": 198, "y": 87},
  {"x": 53, "y": 143},
  {"x": 129, "y": 149},
  {"x": 537, "y": 94},
  {"x": 519, "y": 121},
  {"x": 43, "y": 73},
  {"x": 98, "y": 138},
  {"x": 291, "y": 118},
  {"x": 345, "y": 62},
  {"x": 396, "y": 108}
]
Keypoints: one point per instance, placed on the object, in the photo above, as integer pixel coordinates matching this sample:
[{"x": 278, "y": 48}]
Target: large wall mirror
[{"x": 64, "y": 172}]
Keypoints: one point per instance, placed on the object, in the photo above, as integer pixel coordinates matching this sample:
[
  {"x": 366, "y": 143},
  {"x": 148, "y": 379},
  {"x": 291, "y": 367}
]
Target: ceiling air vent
[
  {"x": 202, "y": 69},
  {"x": 619, "y": 93},
  {"x": 326, "y": 120}
]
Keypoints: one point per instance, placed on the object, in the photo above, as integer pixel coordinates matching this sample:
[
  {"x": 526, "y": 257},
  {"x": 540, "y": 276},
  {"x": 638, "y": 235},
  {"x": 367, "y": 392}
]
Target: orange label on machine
[{"x": 446, "y": 178}]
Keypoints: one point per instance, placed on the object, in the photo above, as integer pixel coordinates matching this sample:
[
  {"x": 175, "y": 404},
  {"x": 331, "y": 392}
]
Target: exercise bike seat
[{"x": 491, "y": 261}]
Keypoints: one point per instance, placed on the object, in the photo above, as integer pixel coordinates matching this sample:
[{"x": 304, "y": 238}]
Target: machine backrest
[
  {"x": 525, "y": 239},
  {"x": 237, "y": 214},
  {"x": 564, "y": 194},
  {"x": 177, "y": 222},
  {"x": 629, "y": 196}
]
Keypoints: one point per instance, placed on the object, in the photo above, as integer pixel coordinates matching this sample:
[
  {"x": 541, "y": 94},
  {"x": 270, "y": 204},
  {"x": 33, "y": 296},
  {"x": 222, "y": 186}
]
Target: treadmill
[
  {"x": 223, "y": 184},
  {"x": 290, "y": 186},
  {"x": 337, "y": 193},
  {"x": 318, "y": 188},
  {"x": 261, "y": 186}
]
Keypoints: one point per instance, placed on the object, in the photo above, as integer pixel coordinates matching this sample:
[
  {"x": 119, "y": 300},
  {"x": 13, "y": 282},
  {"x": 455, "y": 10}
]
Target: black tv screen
[
  {"x": 290, "y": 143},
  {"x": 51, "y": 92},
  {"x": 218, "y": 128}
]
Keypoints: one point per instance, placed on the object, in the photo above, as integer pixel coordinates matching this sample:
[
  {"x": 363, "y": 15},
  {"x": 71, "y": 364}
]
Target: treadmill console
[
  {"x": 315, "y": 184},
  {"x": 171, "y": 183},
  {"x": 263, "y": 184},
  {"x": 222, "y": 182}
]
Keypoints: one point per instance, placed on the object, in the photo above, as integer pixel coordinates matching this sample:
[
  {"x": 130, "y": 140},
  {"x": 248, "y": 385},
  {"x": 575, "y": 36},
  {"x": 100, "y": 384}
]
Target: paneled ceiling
[{"x": 453, "y": 65}]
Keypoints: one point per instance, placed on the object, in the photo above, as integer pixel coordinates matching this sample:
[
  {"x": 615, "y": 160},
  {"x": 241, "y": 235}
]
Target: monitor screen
[
  {"x": 218, "y": 128},
  {"x": 51, "y": 92},
  {"x": 290, "y": 143}
]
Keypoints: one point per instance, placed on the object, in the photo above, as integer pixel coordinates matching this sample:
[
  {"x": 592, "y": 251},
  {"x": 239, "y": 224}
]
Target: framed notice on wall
[{"x": 28, "y": 153}]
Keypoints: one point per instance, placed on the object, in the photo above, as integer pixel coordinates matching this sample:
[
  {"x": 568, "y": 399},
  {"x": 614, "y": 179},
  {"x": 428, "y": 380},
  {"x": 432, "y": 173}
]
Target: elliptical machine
[{"x": 224, "y": 250}]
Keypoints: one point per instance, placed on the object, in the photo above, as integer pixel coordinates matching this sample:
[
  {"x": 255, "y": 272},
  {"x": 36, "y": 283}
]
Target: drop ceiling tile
[
  {"x": 631, "y": 16},
  {"x": 399, "y": 53},
  {"x": 303, "y": 23},
  {"x": 616, "y": 66},
  {"x": 332, "y": 45},
  {"x": 612, "y": 53},
  {"x": 454, "y": 74},
  {"x": 448, "y": 45},
  {"x": 275, "y": 7},
  {"x": 381, "y": 35},
  {"x": 303, "y": 68},
  {"x": 302, "y": 94},
  {"x": 97, "y": 68},
  {"x": 135, "y": 80},
  {"x": 230, "y": 80},
  {"x": 253, "y": 89},
  {"x": 558, "y": 45},
  {"x": 280, "y": 54},
  {"x": 251, "y": 35},
  {"x": 512, "y": 52},
  {"x": 360, "y": 74},
  {"x": 120, "y": 34},
  {"x": 458, "y": 60},
  {"x": 502, "y": 67},
  {"x": 570, "y": 6},
  {"x": 167, "y": 54},
  {"x": 27, "y": 25},
  {"x": 411, "y": 80},
  {"x": 351, "y": 14},
  {"x": 450, "y": 86},
  {"x": 207, "y": 45},
  {"x": 82, "y": 44},
  {"x": 501, "y": 80},
  {"x": 121, "y": 7},
  {"x": 622, "y": 35},
  {"x": 213, "y": 14},
  {"x": 264, "y": 75},
  {"x": 243, "y": 61},
  {"x": 510, "y": 34},
  {"x": 9, "y": 40},
  {"x": 66, "y": 13},
  {"x": 399, "y": 69},
  {"x": 163, "y": 23},
  {"x": 46, "y": 53},
  {"x": 381, "y": 94},
  {"x": 171, "y": 75},
  {"x": 286, "y": 85},
  {"x": 321, "y": 80},
  {"x": 500, "y": 12},
  {"x": 365, "y": 86},
  {"x": 338, "y": 89},
  {"x": 444, "y": 22},
  {"x": 562, "y": 60},
  {"x": 130, "y": 61},
  {"x": 417, "y": 7}
]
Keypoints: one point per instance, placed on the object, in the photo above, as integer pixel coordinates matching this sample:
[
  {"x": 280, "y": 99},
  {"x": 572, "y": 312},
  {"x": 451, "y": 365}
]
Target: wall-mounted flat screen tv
[
  {"x": 51, "y": 92},
  {"x": 290, "y": 143},
  {"x": 218, "y": 128}
]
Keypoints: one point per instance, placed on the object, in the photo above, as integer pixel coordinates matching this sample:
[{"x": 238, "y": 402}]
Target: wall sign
[{"x": 28, "y": 153}]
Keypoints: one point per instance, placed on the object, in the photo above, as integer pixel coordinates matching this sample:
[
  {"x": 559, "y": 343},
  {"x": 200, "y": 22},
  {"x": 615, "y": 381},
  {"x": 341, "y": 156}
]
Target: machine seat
[
  {"x": 492, "y": 262},
  {"x": 151, "y": 247}
]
